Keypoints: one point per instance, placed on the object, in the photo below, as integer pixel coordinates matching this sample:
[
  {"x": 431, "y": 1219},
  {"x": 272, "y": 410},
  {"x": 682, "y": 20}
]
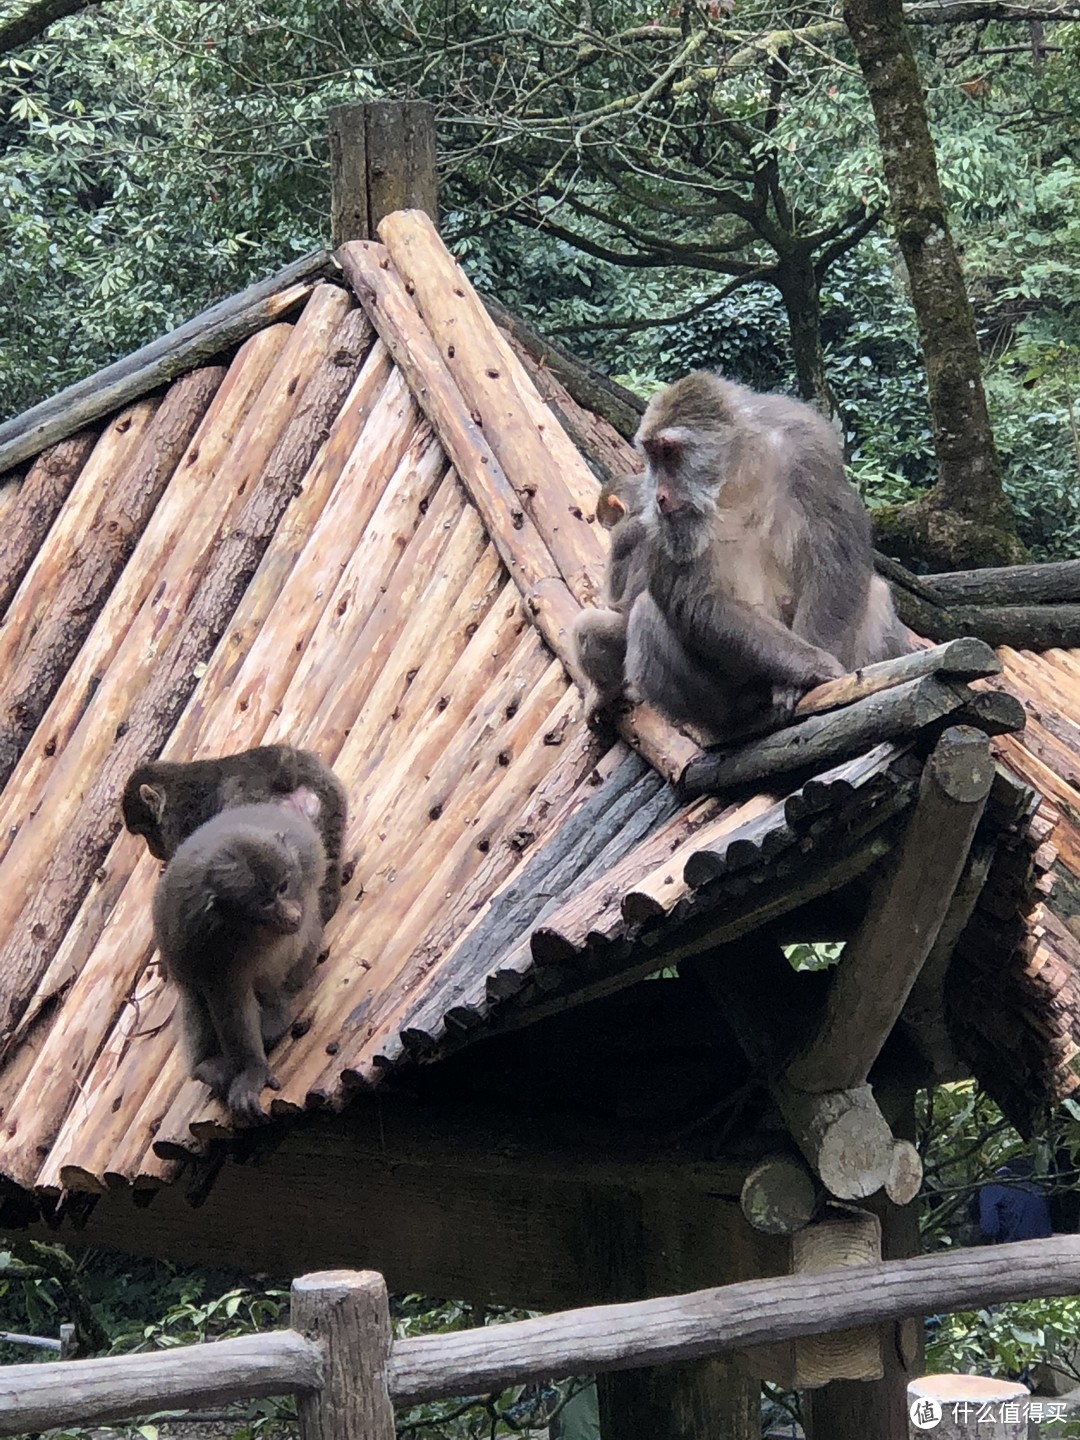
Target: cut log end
[
  {"x": 779, "y": 1196},
  {"x": 961, "y": 765},
  {"x": 905, "y": 1173}
]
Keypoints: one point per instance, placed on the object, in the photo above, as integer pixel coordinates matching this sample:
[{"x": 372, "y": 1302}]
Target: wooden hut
[{"x": 556, "y": 1052}]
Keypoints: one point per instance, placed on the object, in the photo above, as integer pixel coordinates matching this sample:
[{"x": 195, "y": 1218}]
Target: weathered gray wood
[
  {"x": 346, "y": 1315},
  {"x": 382, "y": 159},
  {"x": 1009, "y": 585},
  {"x": 69, "y": 1393},
  {"x": 905, "y": 1173},
  {"x": 965, "y": 659},
  {"x": 845, "y": 1138},
  {"x": 779, "y": 1196},
  {"x": 194, "y": 343},
  {"x": 710, "y": 1322},
  {"x": 822, "y": 739},
  {"x": 881, "y": 961}
]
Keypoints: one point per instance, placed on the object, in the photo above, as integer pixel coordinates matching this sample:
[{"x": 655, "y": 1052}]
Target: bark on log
[
  {"x": 710, "y": 1322},
  {"x": 102, "y": 553},
  {"x": 347, "y": 1316},
  {"x": 844, "y": 1136},
  {"x": 71, "y": 1393},
  {"x": 49, "y": 909},
  {"x": 823, "y": 739},
  {"x": 37, "y": 504},
  {"x": 199, "y": 340},
  {"x": 1051, "y": 584},
  {"x": 881, "y": 961}
]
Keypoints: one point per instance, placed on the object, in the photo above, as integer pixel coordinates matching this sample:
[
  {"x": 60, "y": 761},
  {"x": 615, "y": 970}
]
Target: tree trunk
[
  {"x": 798, "y": 286},
  {"x": 966, "y": 513}
]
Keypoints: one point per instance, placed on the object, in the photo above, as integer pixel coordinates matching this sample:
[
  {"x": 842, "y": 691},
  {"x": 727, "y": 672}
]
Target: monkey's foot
[
  {"x": 245, "y": 1090},
  {"x": 215, "y": 1072}
]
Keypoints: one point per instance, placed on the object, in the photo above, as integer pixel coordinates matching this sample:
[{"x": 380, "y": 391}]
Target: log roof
[{"x": 370, "y": 540}]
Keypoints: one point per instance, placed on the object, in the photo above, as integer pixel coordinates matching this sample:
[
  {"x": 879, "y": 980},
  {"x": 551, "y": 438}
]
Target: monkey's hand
[
  {"x": 786, "y": 696},
  {"x": 215, "y": 1072},
  {"x": 245, "y": 1091}
]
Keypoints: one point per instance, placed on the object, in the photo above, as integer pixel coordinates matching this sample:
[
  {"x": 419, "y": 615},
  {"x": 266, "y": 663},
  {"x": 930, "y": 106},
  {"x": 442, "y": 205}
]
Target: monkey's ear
[
  {"x": 610, "y": 510},
  {"x": 154, "y": 800}
]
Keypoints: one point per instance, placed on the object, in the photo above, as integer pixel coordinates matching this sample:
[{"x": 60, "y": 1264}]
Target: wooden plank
[
  {"x": 80, "y": 1392},
  {"x": 881, "y": 961},
  {"x": 194, "y": 343}
]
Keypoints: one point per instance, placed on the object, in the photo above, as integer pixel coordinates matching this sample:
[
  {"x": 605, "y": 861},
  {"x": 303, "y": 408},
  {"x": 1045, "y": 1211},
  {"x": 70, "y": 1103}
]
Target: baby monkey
[
  {"x": 599, "y": 634},
  {"x": 237, "y": 922}
]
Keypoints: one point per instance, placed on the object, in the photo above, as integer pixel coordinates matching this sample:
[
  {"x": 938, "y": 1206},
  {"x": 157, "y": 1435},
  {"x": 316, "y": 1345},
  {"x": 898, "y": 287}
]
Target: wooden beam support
[
  {"x": 838, "y": 1240},
  {"x": 880, "y": 963},
  {"x": 347, "y": 1315}
]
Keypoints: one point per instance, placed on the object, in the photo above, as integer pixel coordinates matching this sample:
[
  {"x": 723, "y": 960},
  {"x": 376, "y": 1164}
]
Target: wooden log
[
  {"x": 534, "y": 459},
  {"x": 1051, "y": 584},
  {"x": 38, "y": 501},
  {"x": 881, "y": 961},
  {"x": 905, "y": 1176},
  {"x": 845, "y": 1138},
  {"x": 346, "y": 1315},
  {"x": 710, "y": 1322},
  {"x": 49, "y": 909},
  {"x": 520, "y": 546},
  {"x": 194, "y": 343},
  {"x": 968, "y": 1407},
  {"x": 64, "y": 1394},
  {"x": 964, "y": 659},
  {"x": 822, "y": 739},
  {"x": 779, "y": 1196},
  {"x": 102, "y": 552},
  {"x": 848, "y": 1240},
  {"x": 621, "y": 408},
  {"x": 382, "y": 158}
]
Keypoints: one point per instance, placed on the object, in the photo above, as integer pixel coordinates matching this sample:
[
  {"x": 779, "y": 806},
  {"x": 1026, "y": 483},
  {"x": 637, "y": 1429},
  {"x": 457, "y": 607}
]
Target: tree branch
[{"x": 35, "y": 18}]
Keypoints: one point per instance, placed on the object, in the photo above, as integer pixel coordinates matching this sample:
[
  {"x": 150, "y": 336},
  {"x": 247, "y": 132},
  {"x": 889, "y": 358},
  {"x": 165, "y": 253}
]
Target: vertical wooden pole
[
  {"x": 382, "y": 159},
  {"x": 346, "y": 1312}
]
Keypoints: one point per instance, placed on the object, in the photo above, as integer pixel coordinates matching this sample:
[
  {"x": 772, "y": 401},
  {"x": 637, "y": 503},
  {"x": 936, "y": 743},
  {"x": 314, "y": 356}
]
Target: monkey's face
[
  {"x": 263, "y": 888},
  {"x": 684, "y": 479}
]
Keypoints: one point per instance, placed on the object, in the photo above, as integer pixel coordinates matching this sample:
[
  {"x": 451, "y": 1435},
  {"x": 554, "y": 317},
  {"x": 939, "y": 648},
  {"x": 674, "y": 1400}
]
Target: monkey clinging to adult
[
  {"x": 237, "y": 922},
  {"x": 758, "y": 557},
  {"x": 599, "y": 634},
  {"x": 166, "y": 801}
]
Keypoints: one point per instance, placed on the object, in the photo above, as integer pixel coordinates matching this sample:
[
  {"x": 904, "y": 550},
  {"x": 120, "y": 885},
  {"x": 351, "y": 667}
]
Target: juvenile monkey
[
  {"x": 237, "y": 922},
  {"x": 166, "y": 801},
  {"x": 599, "y": 633},
  {"x": 758, "y": 556}
]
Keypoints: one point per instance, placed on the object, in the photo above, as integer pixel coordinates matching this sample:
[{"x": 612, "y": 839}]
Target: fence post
[{"x": 346, "y": 1313}]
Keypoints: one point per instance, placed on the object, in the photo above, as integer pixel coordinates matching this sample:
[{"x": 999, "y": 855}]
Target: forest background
[{"x": 657, "y": 186}]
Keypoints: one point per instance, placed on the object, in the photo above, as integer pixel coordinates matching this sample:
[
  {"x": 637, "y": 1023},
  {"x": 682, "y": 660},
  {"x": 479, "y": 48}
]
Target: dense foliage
[{"x": 155, "y": 156}]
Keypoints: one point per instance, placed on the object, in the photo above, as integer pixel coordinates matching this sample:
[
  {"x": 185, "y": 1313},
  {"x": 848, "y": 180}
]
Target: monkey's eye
[{"x": 282, "y": 888}]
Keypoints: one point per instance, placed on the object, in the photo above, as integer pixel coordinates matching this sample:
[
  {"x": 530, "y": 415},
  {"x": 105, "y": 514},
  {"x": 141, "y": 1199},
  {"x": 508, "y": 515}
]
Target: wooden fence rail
[{"x": 347, "y": 1375}]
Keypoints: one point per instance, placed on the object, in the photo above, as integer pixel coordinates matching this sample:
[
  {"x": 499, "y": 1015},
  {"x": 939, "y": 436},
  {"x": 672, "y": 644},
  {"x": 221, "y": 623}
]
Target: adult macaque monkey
[
  {"x": 758, "y": 557},
  {"x": 599, "y": 634},
  {"x": 166, "y": 801},
  {"x": 237, "y": 922}
]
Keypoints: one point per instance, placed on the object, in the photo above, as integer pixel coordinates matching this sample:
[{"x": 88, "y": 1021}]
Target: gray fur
[
  {"x": 759, "y": 559},
  {"x": 237, "y": 922}
]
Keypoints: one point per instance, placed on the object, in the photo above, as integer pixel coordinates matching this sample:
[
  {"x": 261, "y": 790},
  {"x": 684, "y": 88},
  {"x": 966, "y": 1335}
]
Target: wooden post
[
  {"x": 347, "y": 1314},
  {"x": 382, "y": 159}
]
